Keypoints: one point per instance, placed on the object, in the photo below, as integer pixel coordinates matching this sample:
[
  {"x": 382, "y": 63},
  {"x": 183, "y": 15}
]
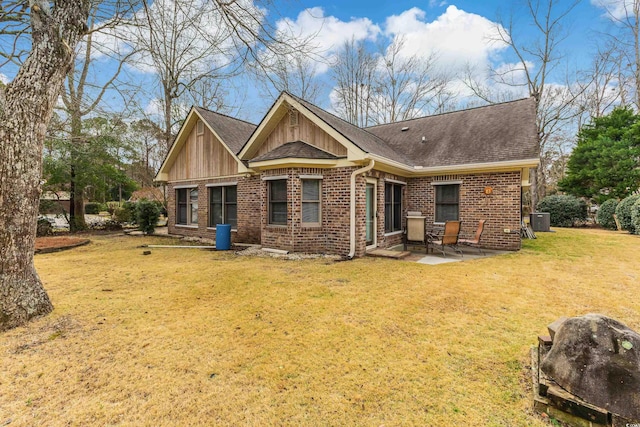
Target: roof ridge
[
  {"x": 450, "y": 112},
  {"x": 224, "y": 115}
]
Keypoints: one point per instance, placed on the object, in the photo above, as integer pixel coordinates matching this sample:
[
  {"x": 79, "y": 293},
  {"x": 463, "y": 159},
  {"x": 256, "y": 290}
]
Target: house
[{"x": 305, "y": 180}]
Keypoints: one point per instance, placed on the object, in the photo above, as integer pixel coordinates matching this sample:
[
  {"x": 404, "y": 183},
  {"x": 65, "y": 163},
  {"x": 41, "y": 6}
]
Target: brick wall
[
  {"x": 248, "y": 230},
  {"x": 332, "y": 235},
  {"x": 501, "y": 209}
]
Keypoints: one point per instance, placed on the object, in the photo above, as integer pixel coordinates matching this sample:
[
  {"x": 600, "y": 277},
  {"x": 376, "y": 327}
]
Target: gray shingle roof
[
  {"x": 234, "y": 132},
  {"x": 296, "y": 149},
  {"x": 493, "y": 133}
]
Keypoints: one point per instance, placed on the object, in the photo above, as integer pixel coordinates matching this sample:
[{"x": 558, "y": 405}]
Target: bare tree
[
  {"x": 83, "y": 93},
  {"x": 295, "y": 73},
  {"x": 407, "y": 87},
  {"x": 354, "y": 77},
  {"x": 537, "y": 60},
  {"x": 26, "y": 107}
]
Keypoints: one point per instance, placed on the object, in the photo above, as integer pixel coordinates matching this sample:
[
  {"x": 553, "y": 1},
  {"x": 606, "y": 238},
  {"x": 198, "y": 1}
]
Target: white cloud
[
  {"x": 4, "y": 79},
  {"x": 328, "y": 32},
  {"x": 615, "y": 9},
  {"x": 437, "y": 3},
  {"x": 456, "y": 36}
]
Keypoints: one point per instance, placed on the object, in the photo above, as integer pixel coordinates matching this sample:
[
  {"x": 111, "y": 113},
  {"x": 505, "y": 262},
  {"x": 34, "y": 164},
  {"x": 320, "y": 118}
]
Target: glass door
[{"x": 371, "y": 214}]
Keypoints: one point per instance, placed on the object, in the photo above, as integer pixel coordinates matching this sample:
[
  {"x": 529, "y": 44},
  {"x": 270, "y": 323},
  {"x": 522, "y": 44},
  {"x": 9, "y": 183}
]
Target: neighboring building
[
  {"x": 54, "y": 202},
  {"x": 305, "y": 180}
]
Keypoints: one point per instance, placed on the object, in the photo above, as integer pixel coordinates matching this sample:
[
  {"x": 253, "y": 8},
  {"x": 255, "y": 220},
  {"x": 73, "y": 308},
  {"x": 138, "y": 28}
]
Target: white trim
[
  {"x": 373, "y": 245},
  {"x": 182, "y": 187},
  {"x": 395, "y": 181},
  {"x": 274, "y": 178},
  {"x": 452, "y": 182},
  {"x": 186, "y": 226},
  {"x": 222, "y": 184},
  {"x": 393, "y": 233},
  {"x": 214, "y": 229},
  {"x": 302, "y": 176}
]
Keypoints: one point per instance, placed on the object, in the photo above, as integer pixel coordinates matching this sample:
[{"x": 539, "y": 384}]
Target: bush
[
  {"x": 635, "y": 216},
  {"x": 623, "y": 212},
  {"x": 564, "y": 211},
  {"x": 92, "y": 208},
  {"x": 604, "y": 217},
  {"x": 104, "y": 225},
  {"x": 147, "y": 215},
  {"x": 130, "y": 209},
  {"x": 122, "y": 215}
]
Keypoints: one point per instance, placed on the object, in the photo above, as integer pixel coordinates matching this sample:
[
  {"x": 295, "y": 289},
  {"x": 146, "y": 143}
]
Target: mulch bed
[{"x": 58, "y": 243}]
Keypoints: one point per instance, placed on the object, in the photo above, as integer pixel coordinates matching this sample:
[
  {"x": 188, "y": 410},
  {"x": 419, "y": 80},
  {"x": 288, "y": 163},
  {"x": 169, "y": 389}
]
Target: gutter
[{"x": 352, "y": 213}]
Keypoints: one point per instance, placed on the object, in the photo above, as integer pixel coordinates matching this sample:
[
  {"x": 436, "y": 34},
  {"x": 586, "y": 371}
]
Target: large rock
[{"x": 597, "y": 359}]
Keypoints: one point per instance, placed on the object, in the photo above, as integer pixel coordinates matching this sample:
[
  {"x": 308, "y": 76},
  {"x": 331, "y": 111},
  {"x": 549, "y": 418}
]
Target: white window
[{"x": 311, "y": 190}]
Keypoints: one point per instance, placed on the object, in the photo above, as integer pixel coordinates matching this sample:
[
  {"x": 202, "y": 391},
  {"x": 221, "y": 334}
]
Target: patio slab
[{"x": 418, "y": 255}]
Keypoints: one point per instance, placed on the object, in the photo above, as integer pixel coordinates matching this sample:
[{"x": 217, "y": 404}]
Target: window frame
[
  {"x": 271, "y": 203},
  {"x": 437, "y": 188},
  {"x": 318, "y": 201},
  {"x": 391, "y": 205},
  {"x": 188, "y": 205},
  {"x": 224, "y": 204}
]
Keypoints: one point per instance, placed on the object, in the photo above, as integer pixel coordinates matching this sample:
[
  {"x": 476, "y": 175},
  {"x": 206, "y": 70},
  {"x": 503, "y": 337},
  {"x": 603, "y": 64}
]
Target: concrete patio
[{"x": 418, "y": 254}]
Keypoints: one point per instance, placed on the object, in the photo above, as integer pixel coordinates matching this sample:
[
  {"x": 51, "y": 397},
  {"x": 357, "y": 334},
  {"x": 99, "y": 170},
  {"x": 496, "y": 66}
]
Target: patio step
[{"x": 384, "y": 253}]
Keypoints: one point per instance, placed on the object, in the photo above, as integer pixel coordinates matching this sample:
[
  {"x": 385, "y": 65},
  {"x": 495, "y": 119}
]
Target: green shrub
[
  {"x": 147, "y": 215},
  {"x": 635, "y": 216},
  {"x": 122, "y": 215},
  {"x": 564, "y": 211},
  {"x": 623, "y": 212},
  {"x": 44, "y": 227},
  {"x": 92, "y": 208},
  {"x": 604, "y": 217},
  {"x": 130, "y": 209}
]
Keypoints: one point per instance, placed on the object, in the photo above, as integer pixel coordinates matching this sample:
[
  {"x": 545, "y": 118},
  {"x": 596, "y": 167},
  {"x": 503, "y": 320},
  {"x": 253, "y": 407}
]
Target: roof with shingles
[
  {"x": 492, "y": 133},
  {"x": 296, "y": 150},
  {"x": 233, "y": 132}
]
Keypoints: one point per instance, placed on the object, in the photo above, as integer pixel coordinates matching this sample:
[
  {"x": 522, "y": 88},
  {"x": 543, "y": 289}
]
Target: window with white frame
[
  {"x": 392, "y": 207},
  {"x": 311, "y": 207},
  {"x": 277, "y": 202},
  {"x": 187, "y": 206},
  {"x": 447, "y": 202},
  {"x": 223, "y": 208}
]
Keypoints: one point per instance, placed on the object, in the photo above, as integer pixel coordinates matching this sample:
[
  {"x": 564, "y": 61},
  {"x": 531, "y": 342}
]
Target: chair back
[
  {"x": 451, "y": 233},
  {"x": 480, "y": 230}
]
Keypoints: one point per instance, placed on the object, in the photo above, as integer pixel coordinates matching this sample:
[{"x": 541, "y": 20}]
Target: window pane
[
  {"x": 388, "y": 216},
  {"x": 311, "y": 189},
  {"x": 232, "y": 215},
  {"x": 278, "y": 213},
  {"x": 182, "y": 195},
  {"x": 447, "y": 193},
  {"x": 446, "y": 213},
  {"x": 194, "y": 195},
  {"x": 278, "y": 190},
  {"x": 215, "y": 214},
  {"x": 397, "y": 216},
  {"x": 194, "y": 213},
  {"x": 215, "y": 194},
  {"x": 182, "y": 214},
  {"x": 230, "y": 194},
  {"x": 388, "y": 193},
  {"x": 310, "y": 212},
  {"x": 397, "y": 193}
]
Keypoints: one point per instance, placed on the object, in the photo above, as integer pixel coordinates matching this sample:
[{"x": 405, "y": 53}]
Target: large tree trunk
[{"x": 25, "y": 111}]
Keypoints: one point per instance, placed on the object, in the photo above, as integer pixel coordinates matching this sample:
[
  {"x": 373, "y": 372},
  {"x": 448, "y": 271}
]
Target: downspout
[{"x": 352, "y": 213}]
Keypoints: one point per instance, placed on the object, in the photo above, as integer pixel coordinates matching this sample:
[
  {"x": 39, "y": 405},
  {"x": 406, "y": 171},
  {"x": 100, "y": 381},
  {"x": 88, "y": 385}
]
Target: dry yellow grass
[{"x": 188, "y": 337}]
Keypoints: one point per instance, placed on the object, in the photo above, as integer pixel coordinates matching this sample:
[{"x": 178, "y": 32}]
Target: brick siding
[{"x": 501, "y": 209}]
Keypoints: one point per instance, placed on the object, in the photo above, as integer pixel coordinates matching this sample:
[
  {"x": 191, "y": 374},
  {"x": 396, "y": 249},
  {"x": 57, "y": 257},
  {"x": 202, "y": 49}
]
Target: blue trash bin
[{"x": 223, "y": 237}]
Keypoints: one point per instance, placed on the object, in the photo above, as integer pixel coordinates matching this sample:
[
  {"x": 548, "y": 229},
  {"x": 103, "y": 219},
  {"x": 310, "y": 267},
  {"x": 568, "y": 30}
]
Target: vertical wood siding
[
  {"x": 202, "y": 156},
  {"x": 305, "y": 131}
]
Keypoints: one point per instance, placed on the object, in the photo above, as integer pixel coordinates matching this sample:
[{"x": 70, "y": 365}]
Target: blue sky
[{"x": 457, "y": 30}]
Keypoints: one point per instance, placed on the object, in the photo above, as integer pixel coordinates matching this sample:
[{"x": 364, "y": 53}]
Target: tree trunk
[{"x": 25, "y": 111}]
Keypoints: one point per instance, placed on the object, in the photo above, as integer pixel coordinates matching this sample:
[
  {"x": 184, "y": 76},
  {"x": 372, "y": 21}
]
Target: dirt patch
[{"x": 58, "y": 243}]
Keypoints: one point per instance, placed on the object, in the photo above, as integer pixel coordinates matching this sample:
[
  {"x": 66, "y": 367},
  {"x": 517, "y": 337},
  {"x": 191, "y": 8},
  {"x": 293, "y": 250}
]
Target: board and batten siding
[
  {"x": 202, "y": 156},
  {"x": 305, "y": 131}
]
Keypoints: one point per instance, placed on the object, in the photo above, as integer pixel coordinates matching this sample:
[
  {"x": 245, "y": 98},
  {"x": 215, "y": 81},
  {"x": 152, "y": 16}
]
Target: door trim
[{"x": 373, "y": 245}]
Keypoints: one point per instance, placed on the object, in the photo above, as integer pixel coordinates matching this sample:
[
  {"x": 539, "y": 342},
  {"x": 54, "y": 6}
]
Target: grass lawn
[{"x": 190, "y": 337}]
